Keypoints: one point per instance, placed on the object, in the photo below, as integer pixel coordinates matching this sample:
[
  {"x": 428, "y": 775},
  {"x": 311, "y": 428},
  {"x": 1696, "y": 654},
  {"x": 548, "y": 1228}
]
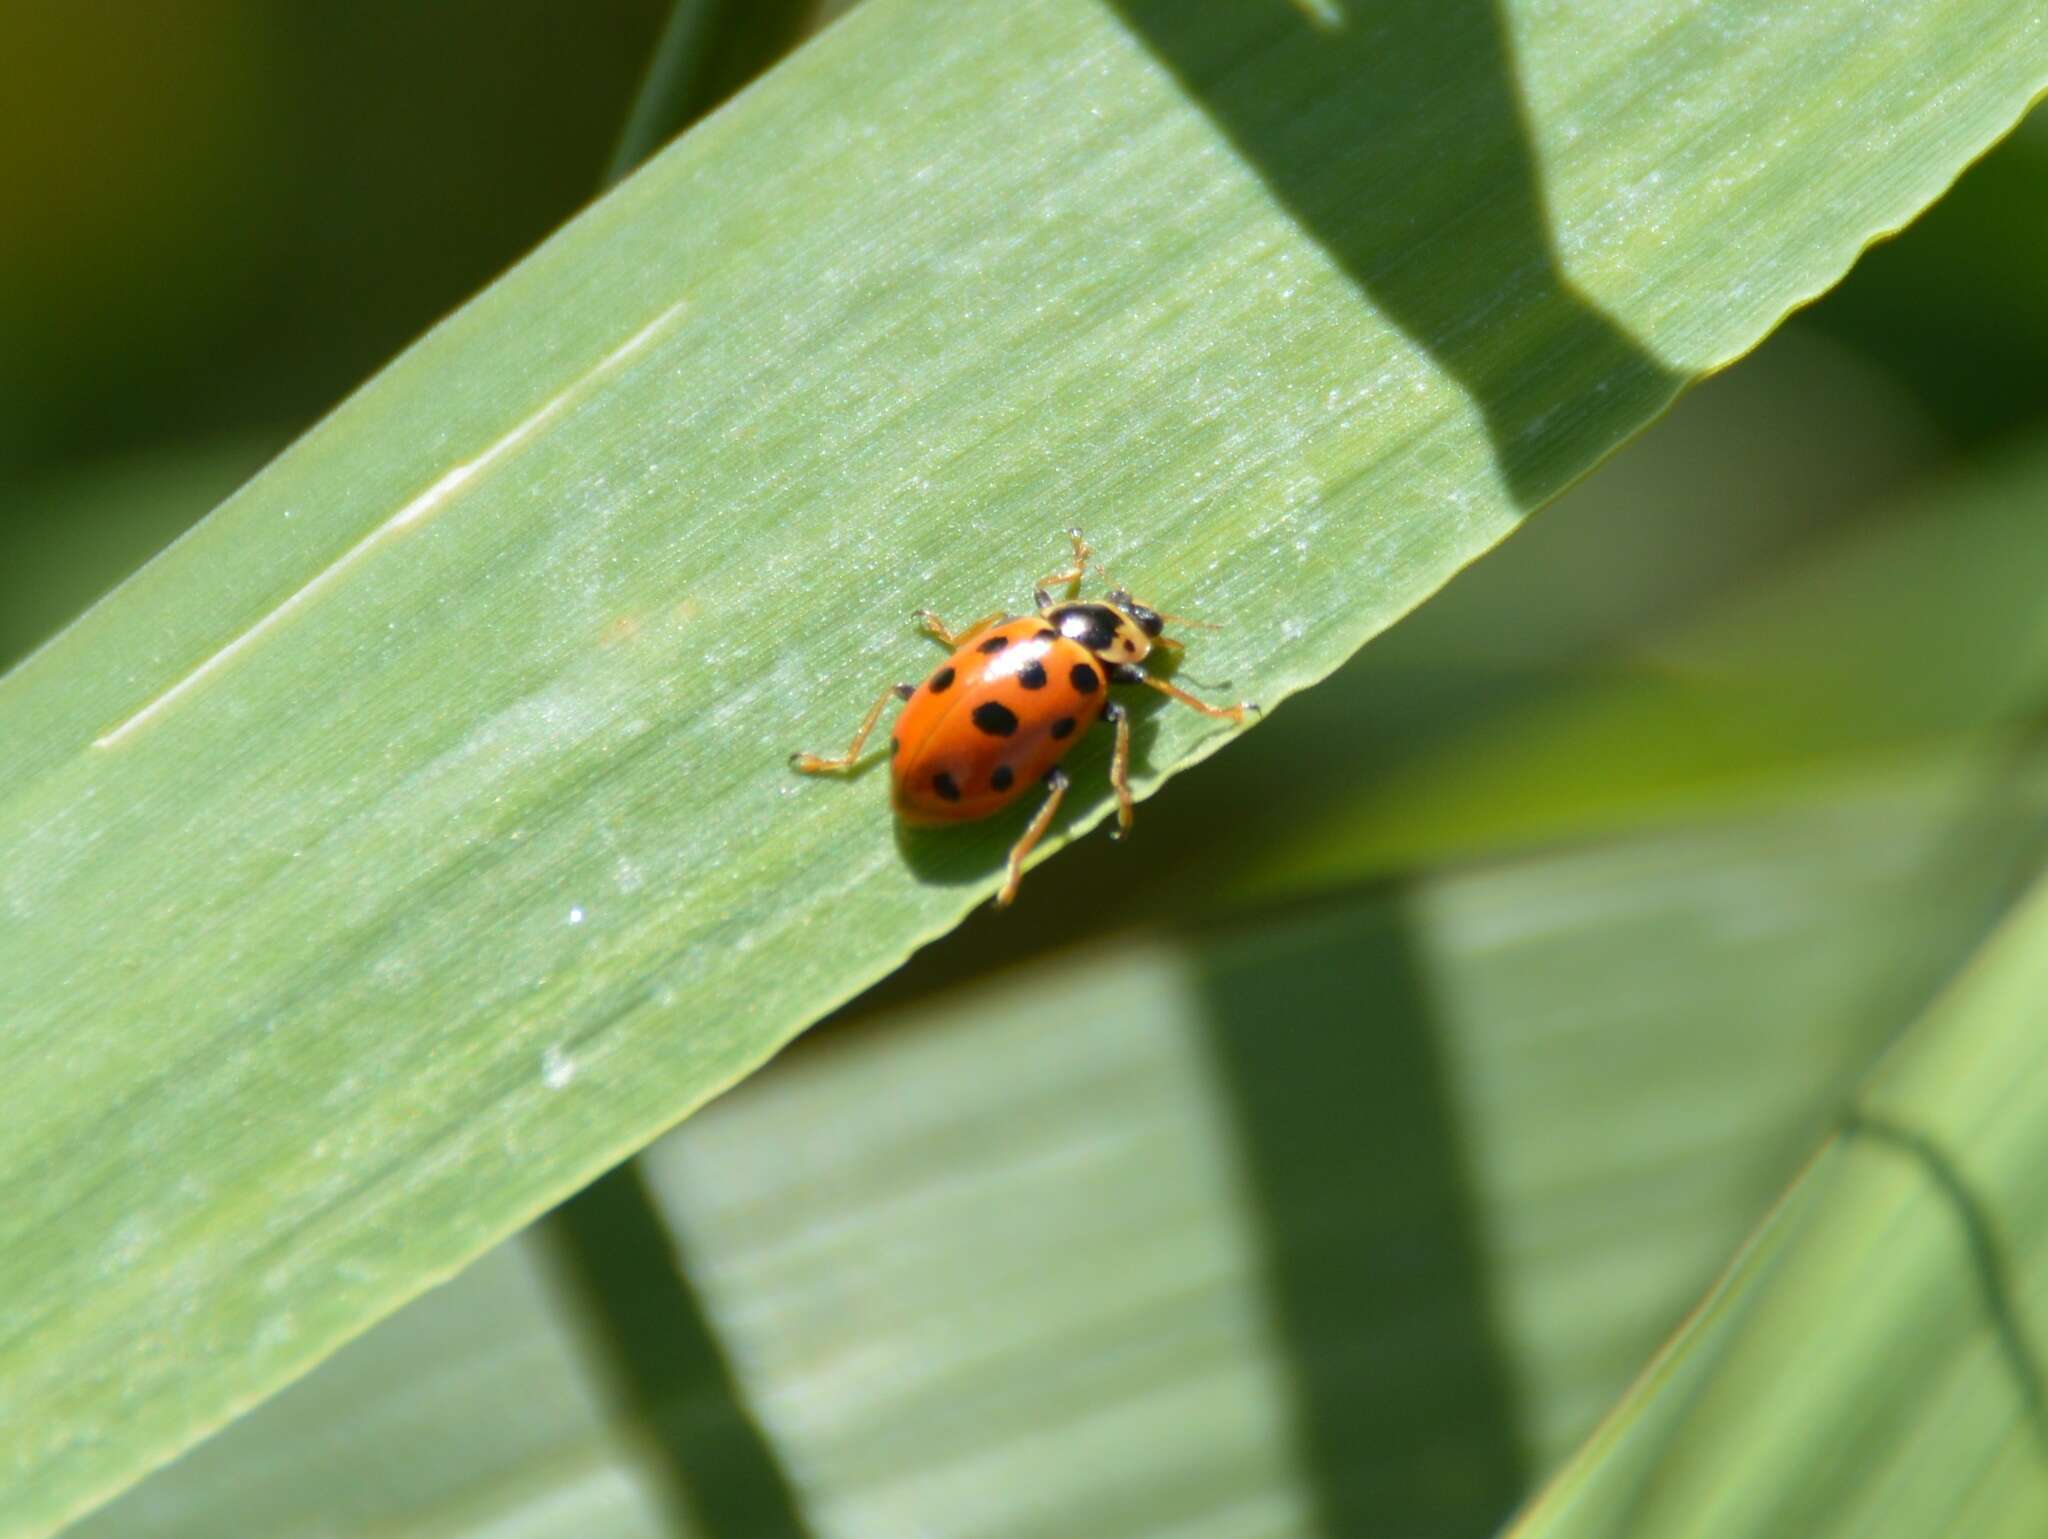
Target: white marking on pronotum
[{"x": 417, "y": 511}]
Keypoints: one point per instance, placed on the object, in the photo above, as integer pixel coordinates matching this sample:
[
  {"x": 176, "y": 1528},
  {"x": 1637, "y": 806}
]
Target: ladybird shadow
[{"x": 960, "y": 854}]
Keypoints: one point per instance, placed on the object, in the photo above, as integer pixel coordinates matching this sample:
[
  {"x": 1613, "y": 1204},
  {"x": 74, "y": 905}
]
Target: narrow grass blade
[
  {"x": 707, "y": 50},
  {"x": 1874, "y": 1362}
]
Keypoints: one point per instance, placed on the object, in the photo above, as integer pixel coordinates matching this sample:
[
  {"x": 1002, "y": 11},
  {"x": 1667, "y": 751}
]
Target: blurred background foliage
[{"x": 1668, "y": 736}]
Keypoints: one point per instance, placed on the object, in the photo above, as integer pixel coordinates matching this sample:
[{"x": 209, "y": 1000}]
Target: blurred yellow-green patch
[{"x": 1575, "y": 1057}]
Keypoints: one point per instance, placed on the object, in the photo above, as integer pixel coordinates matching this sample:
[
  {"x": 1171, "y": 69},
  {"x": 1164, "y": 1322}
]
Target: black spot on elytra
[
  {"x": 995, "y": 718},
  {"x": 946, "y": 786},
  {"x": 1003, "y": 778},
  {"x": 993, "y": 644},
  {"x": 1064, "y": 727},
  {"x": 1085, "y": 678},
  {"x": 942, "y": 680},
  {"x": 1032, "y": 675},
  {"x": 895, "y": 745}
]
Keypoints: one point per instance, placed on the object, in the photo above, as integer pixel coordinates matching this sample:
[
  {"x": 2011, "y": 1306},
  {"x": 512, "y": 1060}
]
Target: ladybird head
[
  {"x": 1150, "y": 621},
  {"x": 1118, "y": 629}
]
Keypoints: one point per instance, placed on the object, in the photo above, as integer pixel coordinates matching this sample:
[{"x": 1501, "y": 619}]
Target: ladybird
[{"x": 1001, "y": 712}]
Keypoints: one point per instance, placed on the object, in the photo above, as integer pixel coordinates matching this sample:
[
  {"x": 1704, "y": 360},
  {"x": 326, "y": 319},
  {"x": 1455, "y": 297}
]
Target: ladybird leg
[
  {"x": 1056, "y": 782},
  {"x": 1070, "y": 579},
  {"x": 814, "y": 764},
  {"x": 939, "y": 629},
  {"x": 1120, "y": 766},
  {"x": 1130, "y": 673}
]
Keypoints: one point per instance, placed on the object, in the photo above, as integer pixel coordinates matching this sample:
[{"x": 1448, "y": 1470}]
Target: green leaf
[
  {"x": 477, "y": 1408},
  {"x": 412, "y": 840},
  {"x": 707, "y": 50},
  {"x": 1956, "y": 314},
  {"x": 93, "y": 527},
  {"x": 1595, "y": 1019},
  {"x": 1873, "y": 1363},
  {"x": 1616, "y": 1054}
]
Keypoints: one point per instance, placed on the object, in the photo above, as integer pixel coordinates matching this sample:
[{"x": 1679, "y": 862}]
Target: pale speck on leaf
[{"x": 557, "y": 1069}]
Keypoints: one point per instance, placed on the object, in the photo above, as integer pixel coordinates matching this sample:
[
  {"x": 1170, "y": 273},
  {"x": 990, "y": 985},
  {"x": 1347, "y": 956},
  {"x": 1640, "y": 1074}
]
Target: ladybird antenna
[
  {"x": 1110, "y": 582},
  {"x": 1119, "y": 591},
  {"x": 1200, "y": 625}
]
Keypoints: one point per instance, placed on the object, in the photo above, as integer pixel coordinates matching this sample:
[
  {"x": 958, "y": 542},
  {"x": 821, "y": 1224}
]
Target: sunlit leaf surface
[{"x": 1269, "y": 1221}]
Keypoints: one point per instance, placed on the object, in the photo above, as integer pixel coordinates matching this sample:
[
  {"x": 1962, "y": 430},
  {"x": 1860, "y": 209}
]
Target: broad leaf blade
[
  {"x": 1592, "y": 1027},
  {"x": 412, "y": 840}
]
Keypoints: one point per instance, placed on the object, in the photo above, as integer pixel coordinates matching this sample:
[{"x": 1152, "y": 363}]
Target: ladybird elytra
[{"x": 997, "y": 716}]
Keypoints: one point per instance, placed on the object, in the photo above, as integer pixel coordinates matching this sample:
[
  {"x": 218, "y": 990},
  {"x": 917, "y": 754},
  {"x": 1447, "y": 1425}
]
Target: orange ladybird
[{"x": 999, "y": 714}]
